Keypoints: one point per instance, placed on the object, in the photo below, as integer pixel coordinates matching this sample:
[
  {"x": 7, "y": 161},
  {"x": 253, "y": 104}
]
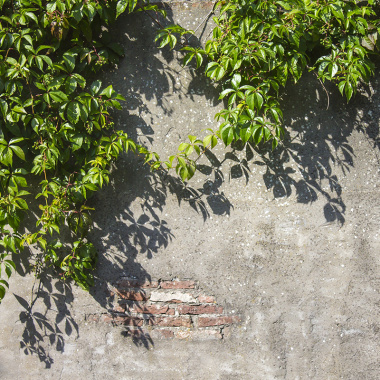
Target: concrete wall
[{"x": 285, "y": 244}]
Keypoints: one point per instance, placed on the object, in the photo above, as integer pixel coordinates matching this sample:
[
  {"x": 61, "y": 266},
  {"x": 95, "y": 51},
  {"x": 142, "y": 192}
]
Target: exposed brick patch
[
  {"x": 148, "y": 309},
  {"x": 170, "y": 321},
  {"x": 206, "y": 299},
  {"x": 166, "y": 309},
  {"x": 201, "y": 309}
]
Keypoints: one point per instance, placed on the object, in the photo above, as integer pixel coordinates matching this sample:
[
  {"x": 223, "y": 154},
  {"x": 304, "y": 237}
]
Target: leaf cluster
[
  {"x": 56, "y": 126},
  {"x": 257, "y": 46}
]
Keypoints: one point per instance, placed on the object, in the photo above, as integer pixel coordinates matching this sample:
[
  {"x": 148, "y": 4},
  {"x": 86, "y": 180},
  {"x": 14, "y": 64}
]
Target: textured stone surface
[{"x": 287, "y": 240}]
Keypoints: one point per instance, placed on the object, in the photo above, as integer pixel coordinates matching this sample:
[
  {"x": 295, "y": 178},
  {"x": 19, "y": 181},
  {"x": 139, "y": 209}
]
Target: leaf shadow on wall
[
  {"x": 316, "y": 153},
  {"x": 47, "y": 319}
]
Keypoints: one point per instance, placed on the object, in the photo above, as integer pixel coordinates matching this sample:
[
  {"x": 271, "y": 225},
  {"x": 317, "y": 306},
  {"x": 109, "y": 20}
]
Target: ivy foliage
[
  {"x": 57, "y": 126},
  {"x": 257, "y": 46}
]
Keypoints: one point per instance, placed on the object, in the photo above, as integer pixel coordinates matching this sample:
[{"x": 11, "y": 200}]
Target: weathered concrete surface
[{"x": 289, "y": 240}]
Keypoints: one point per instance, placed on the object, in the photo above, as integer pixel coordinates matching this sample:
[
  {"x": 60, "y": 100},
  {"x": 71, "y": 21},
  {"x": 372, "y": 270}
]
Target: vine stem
[{"x": 323, "y": 86}]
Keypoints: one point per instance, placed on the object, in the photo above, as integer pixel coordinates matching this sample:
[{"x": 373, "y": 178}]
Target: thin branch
[{"x": 328, "y": 98}]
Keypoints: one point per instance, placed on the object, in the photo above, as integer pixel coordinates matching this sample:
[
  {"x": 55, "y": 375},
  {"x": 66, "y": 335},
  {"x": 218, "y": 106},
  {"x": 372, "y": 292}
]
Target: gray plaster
[{"x": 288, "y": 240}]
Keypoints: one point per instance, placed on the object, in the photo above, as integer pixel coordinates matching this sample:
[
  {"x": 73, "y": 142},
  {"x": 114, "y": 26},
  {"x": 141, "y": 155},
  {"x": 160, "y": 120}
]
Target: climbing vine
[{"x": 56, "y": 126}]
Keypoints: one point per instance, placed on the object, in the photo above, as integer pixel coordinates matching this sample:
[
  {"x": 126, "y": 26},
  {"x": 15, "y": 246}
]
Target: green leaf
[
  {"x": 255, "y": 100},
  {"x": 69, "y": 59},
  {"x": 121, "y": 6},
  {"x": 83, "y": 112},
  {"x": 78, "y": 14},
  {"x": 199, "y": 59},
  {"x": 58, "y": 96},
  {"x": 107, "y": 91},
  {"x": 47, "y": 60},
  {"x": 95, "y": 87},
  {"x": 165, "y": 41},
  {"x": 219, "y": 73},
  {"x": 80, "y": 80},
  {"x": 245, "y": 134},
  {"x": 4, "y": 107},
  {"x": 19, "y": 152},
  {"x": 172, "y": 41},
  {"x": 50, "y": 7},
  {"x": 348, "y": 90},
  {"x": 2, "y": 289},
  {"x": 7, "y": 157},
  {"x": 40, "y": 63},
  {"x": 227, "y": 134},
  {"x": 22, "y": 203},
  {"x": 334, "y": 70},
  {"x": 207, "y": 140},
  {"x": 341, "y": 86},
  {"x": 73, "y": 112},
  {"x": 236, "y": 79},
  {"x": 214, "y": 141},
  {"x": 70, "y": 84},
  {"x": 187, "y": 58},
  {"x": 19, "y": 110},
  {"x": 78, "y": 141},
  {"x": 225, "y": 92}
]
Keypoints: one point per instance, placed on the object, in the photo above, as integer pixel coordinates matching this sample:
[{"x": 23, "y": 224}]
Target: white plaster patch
[{"x": 157, "y": 296}]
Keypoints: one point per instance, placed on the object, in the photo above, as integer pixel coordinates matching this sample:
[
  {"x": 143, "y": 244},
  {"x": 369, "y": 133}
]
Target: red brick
[
  {"x": 170, "y": 311},
  {"x": 162, "y": 334},
  {"x": 133, "y": 296},
  {"x": 217, "y": 321},
  {"x": 198, "y": 334},
  {"x": 132, "y": 283},
  {"x": 202, "y": 309},
  {"x": 177, "y": 284},
  {"x": 121, "y": 320},
  {"x": 170, "y": 321},
  {"x": 148, "y": 309},
  {"x": 206, "y": 299}
]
